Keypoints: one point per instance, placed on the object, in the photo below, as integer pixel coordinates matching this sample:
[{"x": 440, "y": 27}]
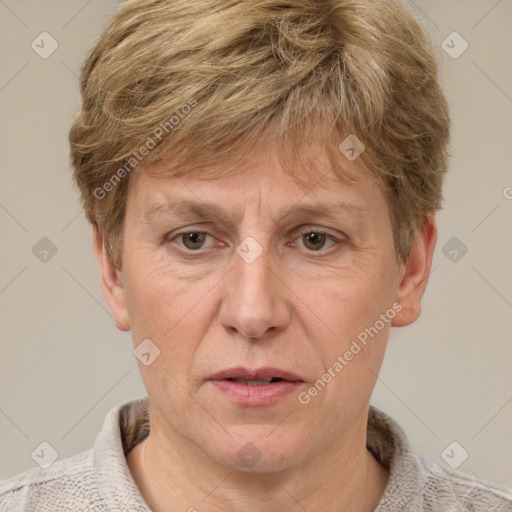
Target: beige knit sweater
[{"x": 99, "y": 479}]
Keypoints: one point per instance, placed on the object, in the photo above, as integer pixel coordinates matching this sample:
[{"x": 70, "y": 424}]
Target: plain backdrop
[{"x": 63, "y": 364}]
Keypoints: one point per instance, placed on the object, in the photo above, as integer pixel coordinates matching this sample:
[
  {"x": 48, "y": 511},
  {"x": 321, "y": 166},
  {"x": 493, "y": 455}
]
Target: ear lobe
[
  {"x": 111, "y": 282},
  {"x": 415, "y": 274}
]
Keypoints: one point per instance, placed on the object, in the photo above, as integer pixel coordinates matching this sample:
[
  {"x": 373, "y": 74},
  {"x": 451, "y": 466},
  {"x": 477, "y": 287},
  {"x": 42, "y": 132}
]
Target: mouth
[
  {"x": 257, "y": 382},
  {"x": 263, "y": 386}
]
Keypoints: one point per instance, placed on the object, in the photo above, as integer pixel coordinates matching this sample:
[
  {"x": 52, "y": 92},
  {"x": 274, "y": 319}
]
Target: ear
[
  {"x": 111, "y": 282},
  {"x": 415, "y": 273}
]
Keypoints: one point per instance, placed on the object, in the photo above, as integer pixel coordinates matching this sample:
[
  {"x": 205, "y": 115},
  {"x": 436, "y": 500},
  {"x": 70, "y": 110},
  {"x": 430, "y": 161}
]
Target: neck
[{"x": 343, "y": 477}]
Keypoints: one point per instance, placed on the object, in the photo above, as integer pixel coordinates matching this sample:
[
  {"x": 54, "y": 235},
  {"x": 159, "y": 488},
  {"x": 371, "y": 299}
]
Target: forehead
[
  {"x": 318, "y": 190},
  {"x": 319, "y": 179}
]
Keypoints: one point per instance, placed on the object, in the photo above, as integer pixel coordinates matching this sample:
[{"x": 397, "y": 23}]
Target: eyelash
[{"x": 168, "y": 239}]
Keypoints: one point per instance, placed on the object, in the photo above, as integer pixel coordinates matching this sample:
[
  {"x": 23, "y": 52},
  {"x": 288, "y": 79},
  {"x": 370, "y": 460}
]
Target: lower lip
[{"x": 266, "y": 394}]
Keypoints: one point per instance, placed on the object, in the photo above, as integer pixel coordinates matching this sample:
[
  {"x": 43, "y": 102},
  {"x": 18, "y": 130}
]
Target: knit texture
[{"x": 99, "y": 479}]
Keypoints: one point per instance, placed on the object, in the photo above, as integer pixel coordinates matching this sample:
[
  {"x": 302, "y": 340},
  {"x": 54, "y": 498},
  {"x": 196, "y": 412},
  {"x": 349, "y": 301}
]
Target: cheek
[
  {"x": 164, "y": 309},
  {"x": 349, "y": 310},
  {"x": 173, "y": 311},
  {"x": 157, "y": 300},
  {"x": 353, "y": 299},
  {"x": 351, "y": 350}
]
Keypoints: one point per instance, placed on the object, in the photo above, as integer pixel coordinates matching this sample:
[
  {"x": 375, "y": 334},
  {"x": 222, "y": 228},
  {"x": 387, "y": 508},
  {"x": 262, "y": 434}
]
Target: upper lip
[{"x": 255, "y": 374}]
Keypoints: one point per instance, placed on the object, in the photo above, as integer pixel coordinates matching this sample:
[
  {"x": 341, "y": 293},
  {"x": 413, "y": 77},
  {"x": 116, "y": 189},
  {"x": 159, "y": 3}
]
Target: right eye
[{"x": 190, "y": 240}]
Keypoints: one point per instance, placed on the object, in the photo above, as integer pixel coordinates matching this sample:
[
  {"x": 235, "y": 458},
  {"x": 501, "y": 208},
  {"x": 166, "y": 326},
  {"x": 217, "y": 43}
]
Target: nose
[{"x": 254, "y": 302}]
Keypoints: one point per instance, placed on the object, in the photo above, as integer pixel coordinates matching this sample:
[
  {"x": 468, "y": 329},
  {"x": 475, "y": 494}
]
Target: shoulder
[
  {"x": 446, "y": 488},
  {"x": 97, "y": 479},
  {"x": 417, "y": 484},
  {"x": 67, "y": 484}
]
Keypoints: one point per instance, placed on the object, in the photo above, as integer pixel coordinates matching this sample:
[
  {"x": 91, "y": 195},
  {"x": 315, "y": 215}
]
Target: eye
[
  {"x": 316, "y": 240},
  {"x": 191, "y": 240},
  {"x": 311, "y": 240}
]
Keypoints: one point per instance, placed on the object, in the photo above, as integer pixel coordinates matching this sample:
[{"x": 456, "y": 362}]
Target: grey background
[{"x": 63, "y": 364}]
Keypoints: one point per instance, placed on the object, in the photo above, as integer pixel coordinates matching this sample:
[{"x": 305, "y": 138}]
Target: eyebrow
[{"x": 204, "y": 210}]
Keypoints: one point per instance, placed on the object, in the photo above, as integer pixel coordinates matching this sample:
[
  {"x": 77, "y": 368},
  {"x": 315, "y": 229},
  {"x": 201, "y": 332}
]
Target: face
[{"x": 252, "y": 277}]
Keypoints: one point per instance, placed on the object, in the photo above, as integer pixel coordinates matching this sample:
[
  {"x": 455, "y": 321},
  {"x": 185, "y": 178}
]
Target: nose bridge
[
  {"x": 252, "y": 302},
  {"x": 253, "y": 268}
]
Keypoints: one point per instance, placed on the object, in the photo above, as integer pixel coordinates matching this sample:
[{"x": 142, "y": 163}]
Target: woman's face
[{"x": 239, "y": 279}]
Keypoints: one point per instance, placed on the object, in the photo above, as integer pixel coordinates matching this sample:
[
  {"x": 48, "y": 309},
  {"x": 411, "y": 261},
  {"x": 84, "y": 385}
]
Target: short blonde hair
[{"x": 209, "y": 80}]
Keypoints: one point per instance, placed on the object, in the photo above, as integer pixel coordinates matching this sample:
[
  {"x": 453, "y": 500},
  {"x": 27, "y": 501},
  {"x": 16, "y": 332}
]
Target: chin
[{"x": 258, "y": 449}]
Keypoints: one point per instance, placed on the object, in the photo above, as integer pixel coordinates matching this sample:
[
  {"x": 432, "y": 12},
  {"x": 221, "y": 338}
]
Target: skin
[{"x": 297, "y": 307}]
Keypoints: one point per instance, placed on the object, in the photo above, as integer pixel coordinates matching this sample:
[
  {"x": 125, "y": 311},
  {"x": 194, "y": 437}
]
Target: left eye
[{"x": 315, "y": 240}]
